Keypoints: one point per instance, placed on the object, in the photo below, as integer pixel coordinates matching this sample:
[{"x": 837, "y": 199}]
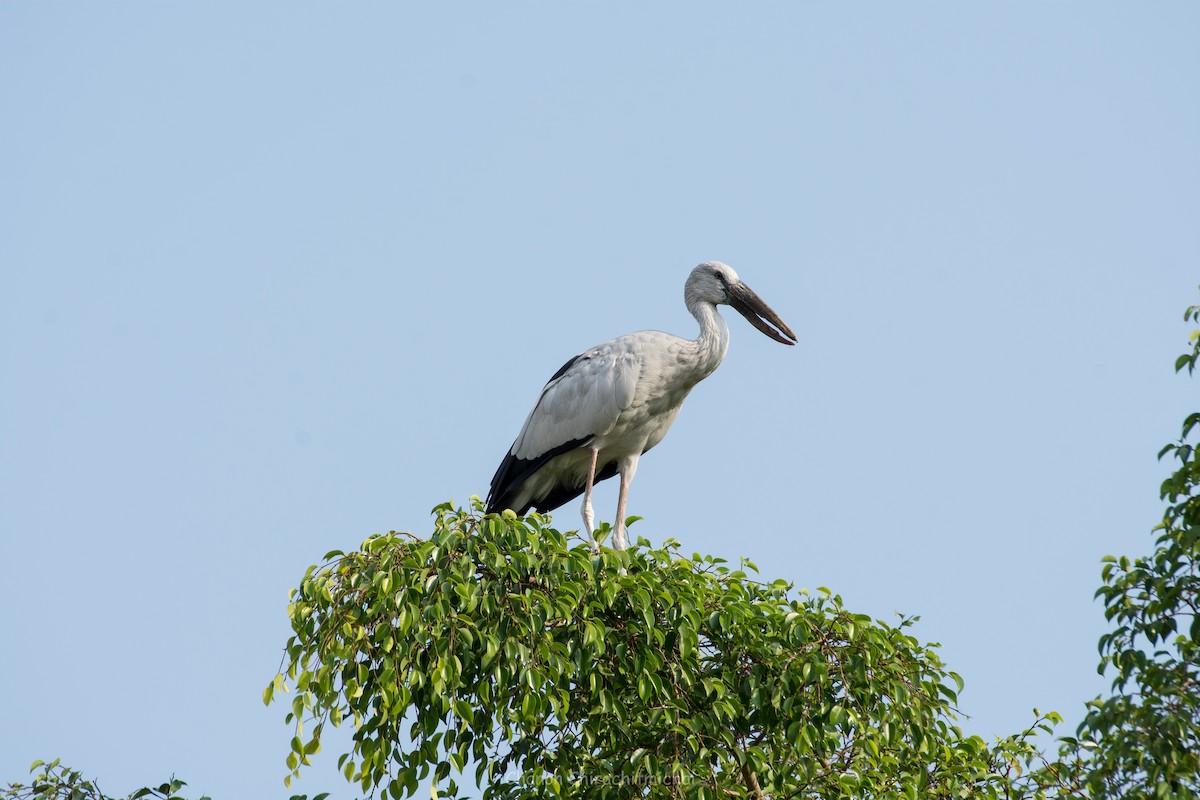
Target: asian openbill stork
[{"x": 607, "y": 406}]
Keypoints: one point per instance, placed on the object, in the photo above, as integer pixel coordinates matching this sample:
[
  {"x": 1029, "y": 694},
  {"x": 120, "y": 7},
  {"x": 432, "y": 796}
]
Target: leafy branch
[{"x": 53, "y": 781}]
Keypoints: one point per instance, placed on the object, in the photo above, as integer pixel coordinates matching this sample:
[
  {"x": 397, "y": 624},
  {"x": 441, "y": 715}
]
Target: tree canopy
[
  {"x": 1143, "y": 741},
  {"x": 504, "y": 647}
]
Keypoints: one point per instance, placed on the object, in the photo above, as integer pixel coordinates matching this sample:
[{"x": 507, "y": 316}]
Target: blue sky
[{"x": 278, "y": 276}]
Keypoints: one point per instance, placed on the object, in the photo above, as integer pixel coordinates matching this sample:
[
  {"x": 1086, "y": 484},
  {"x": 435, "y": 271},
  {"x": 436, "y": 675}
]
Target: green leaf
[{"x": 687, "y": 641}]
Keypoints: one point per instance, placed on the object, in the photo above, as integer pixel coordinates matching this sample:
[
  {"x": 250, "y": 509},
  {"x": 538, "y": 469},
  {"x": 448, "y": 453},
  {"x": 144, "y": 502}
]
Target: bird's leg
[
  {"x": 627, "y": 470},
  {"x": 588, "y": 515},
  {"x": 619, "y": 535}
]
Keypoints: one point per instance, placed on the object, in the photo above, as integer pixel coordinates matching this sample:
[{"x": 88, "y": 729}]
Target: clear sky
[{"x": 277, "y": 276}]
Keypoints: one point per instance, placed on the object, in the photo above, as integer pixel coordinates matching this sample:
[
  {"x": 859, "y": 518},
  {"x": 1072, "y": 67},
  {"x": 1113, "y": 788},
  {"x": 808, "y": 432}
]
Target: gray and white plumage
[{"x": 610, "y": 404}]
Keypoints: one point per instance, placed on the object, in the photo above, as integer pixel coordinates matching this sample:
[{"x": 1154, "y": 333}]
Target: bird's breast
[{"x": 666, "y": 374}]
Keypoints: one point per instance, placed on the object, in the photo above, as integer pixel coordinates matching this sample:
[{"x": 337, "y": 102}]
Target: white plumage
[{"x": 607, "y": 406}]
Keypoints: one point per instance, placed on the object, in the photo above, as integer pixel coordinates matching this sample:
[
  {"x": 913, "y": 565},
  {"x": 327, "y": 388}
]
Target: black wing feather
[{"x": 513, "y": 472}]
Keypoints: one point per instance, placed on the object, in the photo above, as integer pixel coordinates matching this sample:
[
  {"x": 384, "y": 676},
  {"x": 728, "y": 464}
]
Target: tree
[
  {"x": 53, "y": 781},
  {"x": 503, "y": 647},
  {"x": 1144, "y": 740}
]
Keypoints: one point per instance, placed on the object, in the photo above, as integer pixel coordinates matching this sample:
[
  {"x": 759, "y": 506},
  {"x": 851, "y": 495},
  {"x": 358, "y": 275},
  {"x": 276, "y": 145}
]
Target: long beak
[{"x": 758, "y": 313}]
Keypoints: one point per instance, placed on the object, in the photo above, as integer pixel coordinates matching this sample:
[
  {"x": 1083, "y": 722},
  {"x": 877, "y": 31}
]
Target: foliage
[
  {"x": 52, "y": 781},
  {"x": 1144, "y": 740},
  {"x": 497, "y": 647}
]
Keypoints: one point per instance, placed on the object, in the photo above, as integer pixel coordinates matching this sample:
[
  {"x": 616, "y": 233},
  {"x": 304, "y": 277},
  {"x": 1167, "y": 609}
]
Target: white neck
[{"x": 713, "y": 341}]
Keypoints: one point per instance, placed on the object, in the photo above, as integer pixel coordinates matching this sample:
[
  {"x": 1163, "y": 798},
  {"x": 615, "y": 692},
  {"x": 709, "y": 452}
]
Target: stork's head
[{"x": 716, "y": 283}]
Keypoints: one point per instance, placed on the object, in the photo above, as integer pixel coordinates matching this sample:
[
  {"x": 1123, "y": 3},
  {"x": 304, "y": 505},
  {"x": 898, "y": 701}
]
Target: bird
[{"x": 607, "y": 406}]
